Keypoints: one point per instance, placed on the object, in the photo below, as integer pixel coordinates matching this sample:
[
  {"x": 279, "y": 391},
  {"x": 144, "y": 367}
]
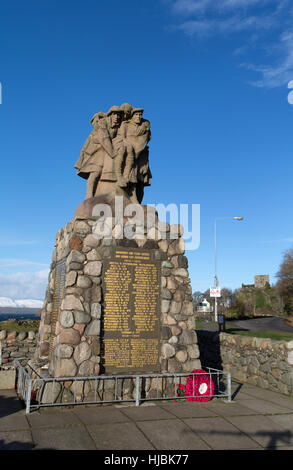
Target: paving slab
[
  {"x": 171, "y": 434},
  {"x": 263, "y": 430},
  {"x": 230, "y": 409},
  {"x": 243, "y": 396},
  {"x": 118, "y": 436},
  {"x": 220, "y": 434},
  {"x": 264, "y": 407},
  {"x": 52, "y": 418},
  {"x": 252, "y": 392},
  {"x": 14, "y": 421},
  {"x": 9, "y": 403},
  {"x": 187, "y": 410},
  {"x": 268, "y": 395},
  {"x": 16, "y": 440},
  {"x": 73, "y": 438},
  {"x": 281, "y": 400},
  {"x": 97, "y": 415},
  {"x": 139, "y": 413},
  {"x": 284, "y": 420},
  {"x": 257, "y": 419}
]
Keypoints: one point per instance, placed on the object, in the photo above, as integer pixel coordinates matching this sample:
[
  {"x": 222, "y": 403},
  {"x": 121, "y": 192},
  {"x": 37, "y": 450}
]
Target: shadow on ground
[
  {"x": 275, "y": 439},
  {"x": 16, "y": 445},
  {"x": 9, "y": 405}
]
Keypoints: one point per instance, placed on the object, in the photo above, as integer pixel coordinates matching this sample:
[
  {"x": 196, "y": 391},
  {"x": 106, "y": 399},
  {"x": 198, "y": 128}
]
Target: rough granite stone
[
  {"x": 93, "y": 329},
  {"x": 70, "y": 302},
  {"x": 82, "y": 353},
  {"x": 69, "y": 336},
  {"x": 66, "y": 319},
  {"x": 168, "y": 351},
  {"x": 93, "y": 268}
]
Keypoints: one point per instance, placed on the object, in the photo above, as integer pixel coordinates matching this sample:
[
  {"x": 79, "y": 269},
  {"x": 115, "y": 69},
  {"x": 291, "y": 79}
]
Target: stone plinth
[{"x": 118, "y": 305}]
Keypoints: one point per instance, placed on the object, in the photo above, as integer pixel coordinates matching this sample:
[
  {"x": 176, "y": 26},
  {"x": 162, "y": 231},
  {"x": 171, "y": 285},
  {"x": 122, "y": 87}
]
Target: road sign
[{"x": 215, "y": 292}]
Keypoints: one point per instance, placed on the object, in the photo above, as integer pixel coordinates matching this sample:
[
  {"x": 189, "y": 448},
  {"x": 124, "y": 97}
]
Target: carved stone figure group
[{"x": 114, "y": 158}]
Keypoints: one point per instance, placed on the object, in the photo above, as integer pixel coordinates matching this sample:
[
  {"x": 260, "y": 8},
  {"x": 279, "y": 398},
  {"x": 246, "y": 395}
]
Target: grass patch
[
  {"x": 20, "y": 325},
  {"x": 274, "y": 335},
  {"x": 198, "y": 325}
]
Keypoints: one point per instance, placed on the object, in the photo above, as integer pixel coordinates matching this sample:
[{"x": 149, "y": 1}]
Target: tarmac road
[
  {"x": 254, "y": 324},
  {"x": 264, "y": 323}
]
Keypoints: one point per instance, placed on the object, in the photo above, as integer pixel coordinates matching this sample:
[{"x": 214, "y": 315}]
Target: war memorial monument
[{"x": 119, "y": 299}]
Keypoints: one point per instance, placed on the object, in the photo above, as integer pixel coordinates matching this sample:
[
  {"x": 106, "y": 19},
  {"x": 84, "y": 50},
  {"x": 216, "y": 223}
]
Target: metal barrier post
[
  {"x": 229, "y": 393},
  {"x": 137, "y": 391},
  {"x": 25, "y": 385},
  {"x": 28, "y": 396}
]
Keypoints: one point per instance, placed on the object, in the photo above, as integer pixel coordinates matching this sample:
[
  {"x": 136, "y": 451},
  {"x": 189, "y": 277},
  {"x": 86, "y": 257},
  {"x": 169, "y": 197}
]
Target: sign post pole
[{"x": 215, "y": 292}]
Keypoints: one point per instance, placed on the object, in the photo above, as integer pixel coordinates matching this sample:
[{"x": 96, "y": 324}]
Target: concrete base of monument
[{"x": 117, "y": 305}]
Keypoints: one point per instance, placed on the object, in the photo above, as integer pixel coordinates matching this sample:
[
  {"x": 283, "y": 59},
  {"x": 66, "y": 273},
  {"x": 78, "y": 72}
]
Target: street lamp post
[{"x": 216, "y": 281}]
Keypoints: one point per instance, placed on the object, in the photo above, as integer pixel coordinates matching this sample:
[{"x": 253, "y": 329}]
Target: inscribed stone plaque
[
  {"x": 131, "y": 331},
  {"x": 59, "y": 285}
]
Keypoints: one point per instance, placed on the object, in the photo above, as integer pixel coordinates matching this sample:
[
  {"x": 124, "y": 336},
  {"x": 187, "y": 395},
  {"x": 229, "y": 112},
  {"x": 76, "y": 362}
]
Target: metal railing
[{"x": 28, "y": 387}]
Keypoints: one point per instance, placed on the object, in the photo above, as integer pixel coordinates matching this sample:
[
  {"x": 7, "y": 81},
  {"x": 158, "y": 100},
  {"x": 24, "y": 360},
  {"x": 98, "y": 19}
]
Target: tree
[
  {"x": 285, "y": 281},
  {"x": 197, "y": 298},
  {"x": 225, "y": 302},
  {"x": 226, "y": 298}
]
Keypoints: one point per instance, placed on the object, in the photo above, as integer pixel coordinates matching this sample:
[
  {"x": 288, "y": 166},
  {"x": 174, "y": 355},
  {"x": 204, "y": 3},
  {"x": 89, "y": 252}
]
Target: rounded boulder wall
[
  {"x": 168, "y": 351},
  {"x": 65, "y": 368},
  {"x": 82, "y": 353},
  {"x": 86, "y": 369},
  {"x": 69, "y": 336},
  {"x": 44, "y": 348},
  {"x": 66, "y": 319},
  {"x": 93, "y": 268},
  {"x": 50, "y": 392},
  {"x": 70, "y": 302},
  {"x": 63, "y": 351}
]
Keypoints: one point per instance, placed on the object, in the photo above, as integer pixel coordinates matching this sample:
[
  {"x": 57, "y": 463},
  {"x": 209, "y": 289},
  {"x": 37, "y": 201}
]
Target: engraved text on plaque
[{"x": 131, "y": 314}]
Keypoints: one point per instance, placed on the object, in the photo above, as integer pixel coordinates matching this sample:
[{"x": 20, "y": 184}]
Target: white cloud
[
  {"x": 282, "y": 72},
  {"x": 234, "y": 24},
  {"x": 272, "y": 18},
  {"x": 24, "y": 285},
  {"x": 15, "y": 262},
  {"x": 187, "y": 7},
  {"x": 28, "y": 303}
]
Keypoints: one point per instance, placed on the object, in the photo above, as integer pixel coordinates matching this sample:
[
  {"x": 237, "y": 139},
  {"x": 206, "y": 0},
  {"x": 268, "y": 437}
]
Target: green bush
[
  {"x": 233, "y": 313},
  {"x": 20, "y": 325}
]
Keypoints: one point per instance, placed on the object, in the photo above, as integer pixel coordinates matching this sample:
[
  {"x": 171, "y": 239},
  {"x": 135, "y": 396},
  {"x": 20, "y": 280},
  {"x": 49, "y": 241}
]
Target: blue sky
[{"x": 212, "y": 76}]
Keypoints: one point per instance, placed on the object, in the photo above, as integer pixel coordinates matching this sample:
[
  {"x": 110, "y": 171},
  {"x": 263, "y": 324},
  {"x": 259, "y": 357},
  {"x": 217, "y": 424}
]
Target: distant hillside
[
  {"x": 252, "y": 301},
  {"x": 19, "y": 311}
]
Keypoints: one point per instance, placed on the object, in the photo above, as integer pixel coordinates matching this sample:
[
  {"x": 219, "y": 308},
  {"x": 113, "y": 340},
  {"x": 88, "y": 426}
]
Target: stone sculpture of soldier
[{"x": 114, "y": 159}]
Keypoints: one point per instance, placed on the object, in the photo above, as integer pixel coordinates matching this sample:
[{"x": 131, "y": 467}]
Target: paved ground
[{"x": 256, "y": 419}]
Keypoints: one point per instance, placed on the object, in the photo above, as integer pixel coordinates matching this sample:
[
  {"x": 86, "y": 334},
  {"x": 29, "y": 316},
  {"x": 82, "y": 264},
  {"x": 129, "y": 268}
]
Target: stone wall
[
  {"x": 17, "y": 345},
  {"x": 262, "y": 362}
]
